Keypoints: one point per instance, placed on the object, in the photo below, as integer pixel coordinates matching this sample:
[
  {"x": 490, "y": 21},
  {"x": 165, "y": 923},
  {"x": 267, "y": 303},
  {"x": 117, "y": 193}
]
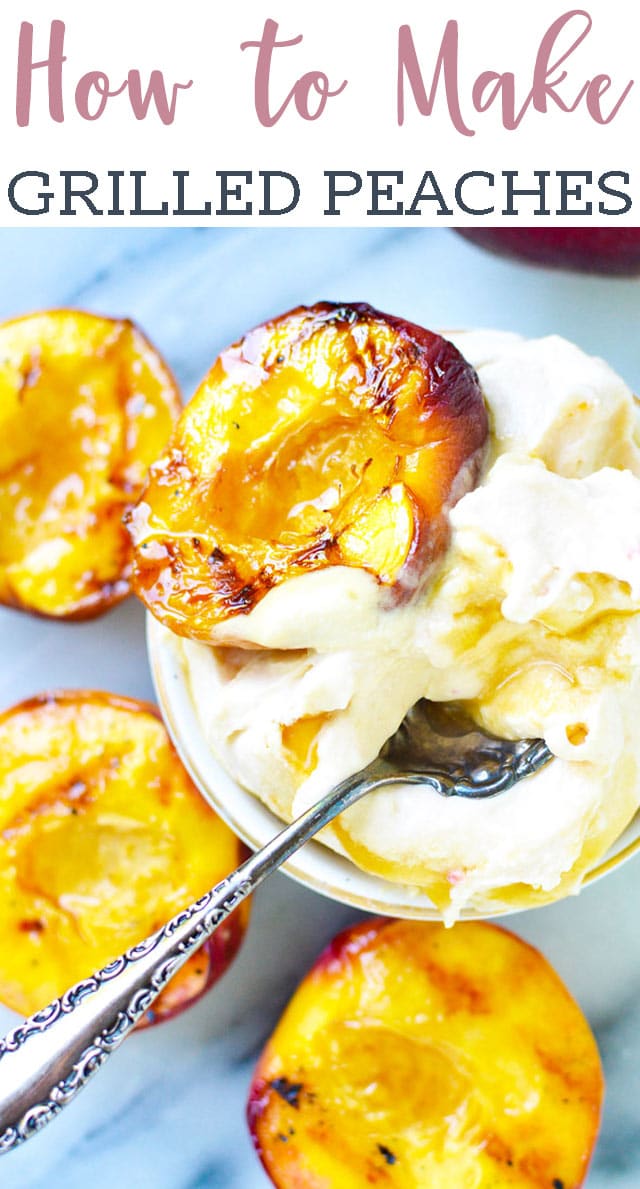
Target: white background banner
[{"x": 407, "y": 114}]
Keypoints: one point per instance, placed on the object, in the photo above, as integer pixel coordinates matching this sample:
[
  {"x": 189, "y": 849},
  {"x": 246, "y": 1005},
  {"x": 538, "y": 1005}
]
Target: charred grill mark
[
  {"x": 535, "y": 1168},
  {"x": 30, "y": 373},
  {"x": 243, "y": 599},
  {"x": 78, "y": 790},
  {"x": 460, "y": 993},
  {"x": 169, "y": 576},
  {"x": 217, "y": 557},
  {"x": 321, "y": 549},
  {"x": 554, "y": 1067},
  {"x": 532, "y": 1166},
  {"x": 288, "y": 1091},
  {"x": 172, "y": 469},
  {"x": 230, "y": 588},
  {"x": 77, "y": 794},
  {"x": 496, "y": 1148},
  {"x": 22, "y": 466}
]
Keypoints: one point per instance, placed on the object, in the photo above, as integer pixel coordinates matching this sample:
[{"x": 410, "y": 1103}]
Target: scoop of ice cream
[
  {"x": 325, "y": 609},
  {"x": 550, "y": 400},
  {"x": 533, "y": 618}
]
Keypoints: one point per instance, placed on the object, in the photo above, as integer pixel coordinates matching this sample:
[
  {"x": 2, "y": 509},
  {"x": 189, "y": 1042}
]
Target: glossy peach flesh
[
  {"x": 86, "y": 404},
  {"x": 103, "y": 838},
  {"x": 415, "y": 1056},
  {"x": 333, "y": 435}
]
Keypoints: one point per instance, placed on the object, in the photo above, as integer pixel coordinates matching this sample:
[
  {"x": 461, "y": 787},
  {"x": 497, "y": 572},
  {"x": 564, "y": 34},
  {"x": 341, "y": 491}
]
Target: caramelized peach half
[
  {"x": 332, "y": 435},
  {"x": 416, "y": 1056},
  {"x": 86, "y": 404},
  {"x": 103, "y": 838}
]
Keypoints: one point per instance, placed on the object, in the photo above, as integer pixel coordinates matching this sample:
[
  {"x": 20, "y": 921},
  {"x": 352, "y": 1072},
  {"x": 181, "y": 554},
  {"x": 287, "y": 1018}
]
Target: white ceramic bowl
[{"x": 315, "y": 866}]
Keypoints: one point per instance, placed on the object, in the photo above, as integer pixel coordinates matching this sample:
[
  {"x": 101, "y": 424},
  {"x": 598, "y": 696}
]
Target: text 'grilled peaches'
[
  {"x": 417, "y": 1056},
  {"x": 86, "y": 404},
  {"x": 332, "y": 435},
  {"x": 103, "y": 838}
]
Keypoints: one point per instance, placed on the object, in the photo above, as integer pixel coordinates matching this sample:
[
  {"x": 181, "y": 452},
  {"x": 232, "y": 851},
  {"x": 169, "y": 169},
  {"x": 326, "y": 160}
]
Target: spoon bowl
[{"x": 316, "y": 866}]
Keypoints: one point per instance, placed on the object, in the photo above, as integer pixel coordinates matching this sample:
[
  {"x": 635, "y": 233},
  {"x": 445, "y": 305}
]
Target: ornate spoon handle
[{"x": 47, "y": 1060}]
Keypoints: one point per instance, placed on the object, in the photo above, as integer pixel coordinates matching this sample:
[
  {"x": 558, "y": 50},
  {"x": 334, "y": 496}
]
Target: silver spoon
[{"x": 47, "y": 1060}]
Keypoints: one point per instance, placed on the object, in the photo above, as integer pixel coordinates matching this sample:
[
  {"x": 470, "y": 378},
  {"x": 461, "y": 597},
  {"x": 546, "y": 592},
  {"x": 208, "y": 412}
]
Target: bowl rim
[{"x": 182, "y": 723}]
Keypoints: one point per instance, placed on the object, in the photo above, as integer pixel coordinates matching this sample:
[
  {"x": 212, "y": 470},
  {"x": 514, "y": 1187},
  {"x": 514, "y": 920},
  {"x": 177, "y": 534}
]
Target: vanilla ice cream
[{"x": 533, "y": 618}]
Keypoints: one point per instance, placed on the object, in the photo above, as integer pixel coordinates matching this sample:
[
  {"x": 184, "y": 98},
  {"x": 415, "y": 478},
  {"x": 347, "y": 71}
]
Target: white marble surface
[{"x": 168, "y": 1110}]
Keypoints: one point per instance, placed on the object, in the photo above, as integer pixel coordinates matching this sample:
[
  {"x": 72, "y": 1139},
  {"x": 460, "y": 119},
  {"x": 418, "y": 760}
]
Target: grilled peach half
[
  {"x": 415, "y": 1056},
  {"x": 103, "y": 838},
  {"x": 86, "y": 404},
  {"x": 333, "y": 435}
]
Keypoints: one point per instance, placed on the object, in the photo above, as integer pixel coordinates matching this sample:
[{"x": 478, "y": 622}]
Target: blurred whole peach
[{"x": 614, "y": 251}]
